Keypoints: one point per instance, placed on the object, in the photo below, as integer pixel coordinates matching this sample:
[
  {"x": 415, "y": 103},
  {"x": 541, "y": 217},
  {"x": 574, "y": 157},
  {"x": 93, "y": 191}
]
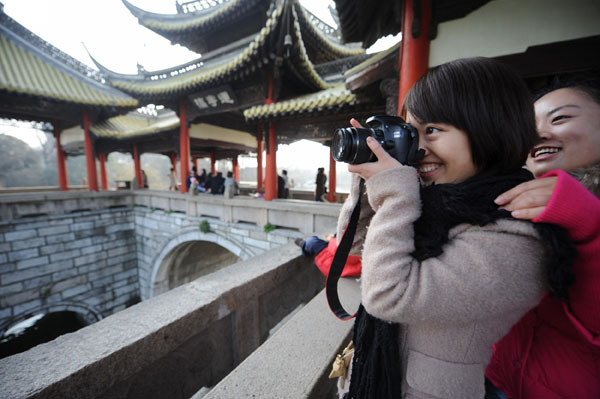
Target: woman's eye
[
  {"x": 431, "y": 129},
  {"x": 559, "y": 118}
]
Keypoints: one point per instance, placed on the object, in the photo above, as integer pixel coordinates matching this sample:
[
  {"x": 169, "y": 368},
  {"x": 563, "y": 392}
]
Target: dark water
[{"x": 49, "y": 327}]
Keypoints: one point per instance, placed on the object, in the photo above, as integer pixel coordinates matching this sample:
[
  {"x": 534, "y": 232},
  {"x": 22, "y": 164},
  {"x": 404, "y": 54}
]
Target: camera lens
[
  {"x": 342, "y": 145},
  {"x": 350, "y": 145}
]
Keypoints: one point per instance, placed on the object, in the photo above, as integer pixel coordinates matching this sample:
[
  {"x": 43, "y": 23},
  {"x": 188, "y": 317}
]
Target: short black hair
[
  {"x": 587, "y": 82},
  {"x": 488, "y": 101}
]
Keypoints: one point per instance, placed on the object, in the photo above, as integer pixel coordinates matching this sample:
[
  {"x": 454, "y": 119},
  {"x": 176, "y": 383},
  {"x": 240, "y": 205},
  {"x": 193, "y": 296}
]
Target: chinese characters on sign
[{"x": 214, "y": 100}]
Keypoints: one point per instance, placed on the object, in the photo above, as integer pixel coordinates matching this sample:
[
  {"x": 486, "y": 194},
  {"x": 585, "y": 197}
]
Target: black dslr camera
[{"x": 399, "y": 138}]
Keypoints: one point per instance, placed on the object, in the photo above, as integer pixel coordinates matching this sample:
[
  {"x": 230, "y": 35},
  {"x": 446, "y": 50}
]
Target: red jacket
[
  {"x": 325, "y": 257},
  {"x": 554, "y": 350}
]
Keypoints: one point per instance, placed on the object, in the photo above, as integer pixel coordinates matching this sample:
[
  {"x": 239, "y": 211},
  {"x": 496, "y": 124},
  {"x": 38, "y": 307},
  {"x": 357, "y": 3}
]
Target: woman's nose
[{"x": 423, "y": 142}]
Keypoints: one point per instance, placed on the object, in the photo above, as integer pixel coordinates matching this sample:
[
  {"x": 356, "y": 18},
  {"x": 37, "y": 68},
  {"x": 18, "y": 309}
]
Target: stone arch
[
  {"x": 87, "y": 312},
  {"x": 180, "y": 242}
]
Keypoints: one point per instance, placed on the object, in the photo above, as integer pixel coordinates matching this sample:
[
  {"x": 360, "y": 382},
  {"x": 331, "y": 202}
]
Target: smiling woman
[
  {"x": 445, "y": 272},
  {"x": 568, "y": 122}
]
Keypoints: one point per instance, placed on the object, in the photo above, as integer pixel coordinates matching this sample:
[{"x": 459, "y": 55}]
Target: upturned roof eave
[{"x": 45, "y": 77}]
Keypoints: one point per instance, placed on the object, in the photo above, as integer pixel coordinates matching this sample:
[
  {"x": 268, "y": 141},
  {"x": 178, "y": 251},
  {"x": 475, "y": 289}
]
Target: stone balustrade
[
  {"x": 193, "y": 336},
  {"x": 307, "y": 217}
]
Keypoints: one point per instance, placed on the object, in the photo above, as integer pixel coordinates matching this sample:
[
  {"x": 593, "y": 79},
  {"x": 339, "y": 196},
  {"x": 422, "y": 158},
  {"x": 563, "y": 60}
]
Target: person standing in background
[
  {"x": 173, "y": 180},
  {"x": 320, "y": 184}
]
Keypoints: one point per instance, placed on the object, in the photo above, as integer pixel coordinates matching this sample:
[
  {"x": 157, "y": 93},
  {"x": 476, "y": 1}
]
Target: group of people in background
[
  {"x": 213, "y": 184},
  {"x": 477, "y": 279}
]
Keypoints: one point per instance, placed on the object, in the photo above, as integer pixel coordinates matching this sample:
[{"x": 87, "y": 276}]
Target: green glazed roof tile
[
  {"x": 26, "y": 70},
  {"x": 331, "y": 98},
  {"x": 201, "y": 75},
  {"x": 184, "y": 22}
]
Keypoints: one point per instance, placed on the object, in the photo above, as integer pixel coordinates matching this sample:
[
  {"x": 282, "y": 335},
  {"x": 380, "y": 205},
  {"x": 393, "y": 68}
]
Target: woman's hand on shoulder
[
  {"x": 528, "y": 200},
  {"x": 384, "y": 160}
]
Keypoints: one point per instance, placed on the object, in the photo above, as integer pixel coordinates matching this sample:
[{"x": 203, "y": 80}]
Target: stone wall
[
  {"x": 159, "y": 232},
  {"x": 94, "y": 253},
  {"x": 83, "y": 261},
  {"x": 173, "y": 344}
]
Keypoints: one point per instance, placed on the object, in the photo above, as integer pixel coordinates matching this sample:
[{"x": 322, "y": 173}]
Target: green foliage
[
  {"x": 205, "y": 227},
  {"x": 19, "y": 164},
  {"x": 269, "y": 227},
  {"x": 45, "y": 292}
]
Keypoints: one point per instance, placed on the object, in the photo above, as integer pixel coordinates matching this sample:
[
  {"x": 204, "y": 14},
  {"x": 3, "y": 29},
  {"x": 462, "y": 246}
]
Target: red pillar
[
  {"x": 236, "y": 169},
  {"x": 89, "y": 154},
  {"x": 195, "y": 162},
  {"x": 271, "y": 169},
  {"x": 137, "y": 167},
  {"x": 414, "y": 56},
  {"x": 184, "y": 145},
  {"x": 332, "y": 183},
  {"x": 103, "y": 179},
  {"x": 259, "y": 155},
  {"x": 213, "y": 169},
  {"x": 63, "y": 183}
]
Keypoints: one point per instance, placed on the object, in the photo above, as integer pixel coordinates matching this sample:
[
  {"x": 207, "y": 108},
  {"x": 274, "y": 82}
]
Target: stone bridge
[{"x": 97, "y": 253}]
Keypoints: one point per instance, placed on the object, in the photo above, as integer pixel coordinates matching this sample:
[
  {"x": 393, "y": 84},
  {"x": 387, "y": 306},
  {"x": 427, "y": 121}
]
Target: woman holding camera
[{"x": 445, "y": 273}]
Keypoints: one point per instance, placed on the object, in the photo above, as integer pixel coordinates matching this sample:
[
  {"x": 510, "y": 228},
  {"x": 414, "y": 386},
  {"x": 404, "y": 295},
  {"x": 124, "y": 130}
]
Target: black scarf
[{"x": 376, "y": 367}]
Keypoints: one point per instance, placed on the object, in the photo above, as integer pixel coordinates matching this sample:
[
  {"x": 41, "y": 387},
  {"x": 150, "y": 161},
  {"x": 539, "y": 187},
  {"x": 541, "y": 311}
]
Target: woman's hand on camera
[
  {"x": 384, "y": 160},
  {"x": 528, "y": 200}
]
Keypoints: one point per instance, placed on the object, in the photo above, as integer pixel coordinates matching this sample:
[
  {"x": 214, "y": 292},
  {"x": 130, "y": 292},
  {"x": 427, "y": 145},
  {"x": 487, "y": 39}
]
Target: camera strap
[{"x": 339, "y": 261}]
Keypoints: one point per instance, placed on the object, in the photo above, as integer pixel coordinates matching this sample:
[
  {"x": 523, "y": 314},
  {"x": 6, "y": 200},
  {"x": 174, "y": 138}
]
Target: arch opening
[
  {"x": 38, "y": 329},
  {"x": 189, "y": 261}
]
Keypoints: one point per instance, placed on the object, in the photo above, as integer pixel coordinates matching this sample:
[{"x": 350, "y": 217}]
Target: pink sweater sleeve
[{"x": 577, "y": 210}]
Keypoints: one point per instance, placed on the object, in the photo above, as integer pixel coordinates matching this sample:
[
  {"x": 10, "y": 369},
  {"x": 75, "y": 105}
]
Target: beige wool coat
[{"x": 454, "y": 307}]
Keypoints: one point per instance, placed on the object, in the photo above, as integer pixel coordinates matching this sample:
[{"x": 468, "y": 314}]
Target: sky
[{"x": 114, "y": 38}]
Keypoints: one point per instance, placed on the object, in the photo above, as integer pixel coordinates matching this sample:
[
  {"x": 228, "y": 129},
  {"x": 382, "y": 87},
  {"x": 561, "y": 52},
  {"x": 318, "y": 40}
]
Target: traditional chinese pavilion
[
  {"x": 259, "y": 52},
  {"x": 39, "y": 82},
  {"x": 270, "y": 72}
]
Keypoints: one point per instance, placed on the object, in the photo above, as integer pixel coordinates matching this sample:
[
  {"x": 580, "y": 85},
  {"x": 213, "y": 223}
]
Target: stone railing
[
  {"x": 15, "y": 206},
  {"x": 191, "y": 337},
  {"x": 308, "y": 217},
  {"x": 296, "y": 361}
]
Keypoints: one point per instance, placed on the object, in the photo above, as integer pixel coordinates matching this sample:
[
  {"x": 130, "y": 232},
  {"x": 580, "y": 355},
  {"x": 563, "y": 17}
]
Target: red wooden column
[
  {"x": 61, "y": 164},
  {"x": 184, "y": 145},
  {"x": 271, "y": 167},
  {"x": 259, "y": 155},
  {"x": 138, "y": 167},
  {"x": 89, "y": 154},
  {"x": 236, "y": 168},
  {"x": 331, "y": 197},
  {"x": 414, "y": 56},
  {"x": 103, "y": 179},
  {"x": 213, "y": 169},
  {"x": 195, "y": 162}
]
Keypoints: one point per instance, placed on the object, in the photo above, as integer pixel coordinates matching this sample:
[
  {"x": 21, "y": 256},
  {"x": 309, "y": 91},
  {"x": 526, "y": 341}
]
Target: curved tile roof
[
  {"x": 31, "y": 66},
  {"x": 321, "y": 47},
  {"x": 222, "y": 12},
  {"x": 202, "y": 76},
  {"x": 323, "y": 101},
  {"x": 245, "y": 57},
  {"x": 300, "y": 63}
]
